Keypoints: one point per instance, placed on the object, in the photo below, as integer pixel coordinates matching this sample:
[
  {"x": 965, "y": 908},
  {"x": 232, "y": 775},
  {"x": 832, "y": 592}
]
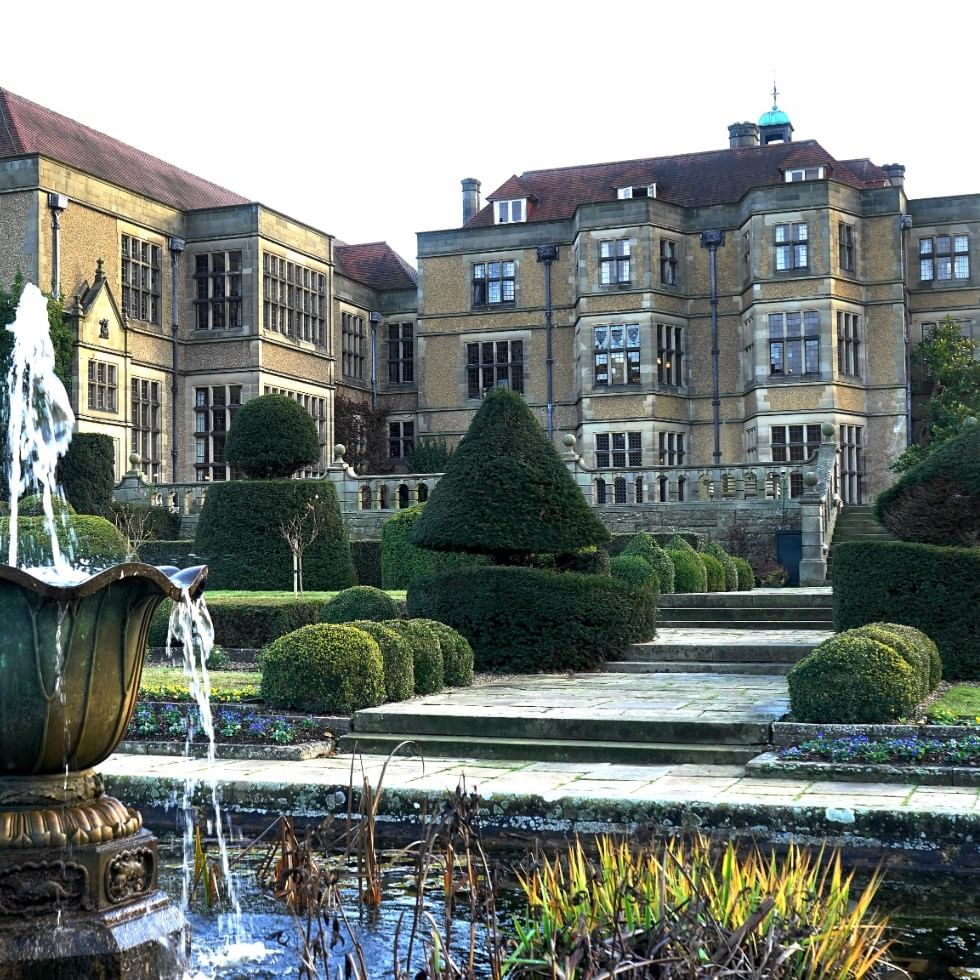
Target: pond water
[{"x": 935, "y": 918}]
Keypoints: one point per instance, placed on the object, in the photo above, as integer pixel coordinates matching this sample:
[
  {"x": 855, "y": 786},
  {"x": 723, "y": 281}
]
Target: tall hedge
[
  {"x": 938, "y": 500},
  {"x": 402, "y": 561},
  {"x": 506, "y": 491},
  {"x": 88, "y": 472},
  {"x": 934, "y": 589},
  {"x": 272, "y": 436},
  {"x": 238, "y": 536},
  {"x": 527, "y": 620}
]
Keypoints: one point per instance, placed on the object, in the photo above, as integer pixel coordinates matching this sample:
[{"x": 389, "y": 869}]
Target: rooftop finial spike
[{"x": 774, "y": 94}]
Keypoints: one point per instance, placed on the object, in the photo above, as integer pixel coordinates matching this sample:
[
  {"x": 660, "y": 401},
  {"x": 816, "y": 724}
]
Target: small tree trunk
[
  {"x": 299, "y": 559},
  {"x": 296, "y": 588}
]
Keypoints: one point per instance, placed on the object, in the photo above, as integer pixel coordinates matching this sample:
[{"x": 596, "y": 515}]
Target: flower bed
[{"x": 910, "y": 749}]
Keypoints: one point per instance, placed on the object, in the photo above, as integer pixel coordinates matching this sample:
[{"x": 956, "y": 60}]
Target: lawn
[
  {"x": 171, "y": 684},
  {"x": 961, "y": 703}
]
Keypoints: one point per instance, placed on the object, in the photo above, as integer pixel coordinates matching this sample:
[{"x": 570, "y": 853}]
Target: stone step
[
  {"x": 745, "y": 624},
  {"x": 782, "y": 653},
  {"x": 554, "y": 750},
  {"x": 769, "y": 599},
  {"x": 465, "y": 725},
  {"x": 698, "y": 667},
  {"x": 734, "y": 614}
]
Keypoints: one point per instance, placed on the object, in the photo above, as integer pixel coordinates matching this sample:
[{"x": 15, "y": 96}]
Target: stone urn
[{"x": 70, "y": 855}]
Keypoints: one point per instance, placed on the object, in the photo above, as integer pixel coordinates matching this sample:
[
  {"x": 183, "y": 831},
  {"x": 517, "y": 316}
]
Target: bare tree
[
  {"x": 299, "y": 532},
  {"x": 135, "y": 524}
]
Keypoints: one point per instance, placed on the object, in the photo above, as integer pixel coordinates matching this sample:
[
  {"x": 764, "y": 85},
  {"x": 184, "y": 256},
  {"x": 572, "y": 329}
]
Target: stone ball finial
[
  {"x": 828, "y": 429},
  {"x": 338, "y": 451},
  {"x": 568, "y": 440},
  {"x": 810, "y": 478},
  {"x": 134, "y": 460}
]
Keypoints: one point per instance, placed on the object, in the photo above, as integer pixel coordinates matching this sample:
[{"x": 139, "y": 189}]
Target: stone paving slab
[{"x": 676, "y": 636}]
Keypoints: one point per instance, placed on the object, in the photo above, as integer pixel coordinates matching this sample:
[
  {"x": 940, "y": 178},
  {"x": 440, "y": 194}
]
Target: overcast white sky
[{"x": 361, "y": 118}]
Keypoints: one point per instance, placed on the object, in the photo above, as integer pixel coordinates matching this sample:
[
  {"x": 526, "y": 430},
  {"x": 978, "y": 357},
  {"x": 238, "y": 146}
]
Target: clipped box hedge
[
  {"x": 618, "y": 542},
  {"x": 529, "y": 620},
  {"x": 97, "y": 542},
  {"x": 367, "y": 562},
  {"x": 933, "y": 588},
  {"x": 175, "y": 552}
]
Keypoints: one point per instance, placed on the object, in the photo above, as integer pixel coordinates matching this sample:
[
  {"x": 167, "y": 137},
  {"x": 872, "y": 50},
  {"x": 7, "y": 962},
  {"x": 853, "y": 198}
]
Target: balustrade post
[{"x": 344, "y": 480}]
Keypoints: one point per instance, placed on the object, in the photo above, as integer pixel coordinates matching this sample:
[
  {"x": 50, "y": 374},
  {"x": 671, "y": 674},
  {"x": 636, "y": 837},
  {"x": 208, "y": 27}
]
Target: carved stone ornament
[
  {"x": 40, "y": 887},
  {"x": 129, "y": 875},
  {"x": 94, "y": 822}
]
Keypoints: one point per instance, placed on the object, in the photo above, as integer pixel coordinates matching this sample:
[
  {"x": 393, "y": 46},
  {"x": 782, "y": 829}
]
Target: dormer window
[
  {"x": 637, "y": 190},
  {"x": 510, "y": 212},
  {"x": 805, "y": 173}
]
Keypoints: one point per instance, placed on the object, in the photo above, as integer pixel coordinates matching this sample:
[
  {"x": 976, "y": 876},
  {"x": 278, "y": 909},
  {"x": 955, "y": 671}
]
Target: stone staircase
[{"x": 856, "y": 524}]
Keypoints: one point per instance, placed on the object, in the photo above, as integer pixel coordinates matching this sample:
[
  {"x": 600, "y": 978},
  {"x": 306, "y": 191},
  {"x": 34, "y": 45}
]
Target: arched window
[
  {"x": 404, "y": 497},
  {"x": 728, "y": 485},
  {"x": 383, "y": 497},
  {"x": 681, "y": 488},
  {"x": 751, "y": 484},
  {"x": 600, "y": 491},
  {"x": 663, "y": 489},
  {"x": 365, "y": 497},
  {"x": 772, "y": 485},
  {"x": 619, "y": 490},
  {"x": 638, "y": 490},
  {"x": 422, "y": 493}
]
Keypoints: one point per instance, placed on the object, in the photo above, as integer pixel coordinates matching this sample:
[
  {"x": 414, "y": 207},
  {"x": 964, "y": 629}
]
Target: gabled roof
[
  {"x": 511, "y": 190},
  {"x": 689, "y": 180},
  {"x": 28, "y": 128},
  {"x": 374, "y": 264}
]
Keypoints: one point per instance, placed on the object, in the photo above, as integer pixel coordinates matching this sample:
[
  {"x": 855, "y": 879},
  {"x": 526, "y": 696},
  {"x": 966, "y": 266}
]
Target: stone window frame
[
  {"x": 850, "y": 456},
  {"x": 791, "y": 246},
  {"x": 846, "y": 249},
  {"x": 401, "y": 438},
  {"x": 794, "y": 447},
  {"x": 145, "y": 405},
  {"x": 668, "y": 262},
  {"x": 670, "y": 447},
  {"x": 294, "y": 299},
  {"x": 615, "y": 262},
  {"x": 213, "y": 415},
  {"x": 807, "y": 337},
  {"x": 618, "y": 450},
  {"x": 507, "y": 361},
  {"x": 103, "y": 386},
  {"x": 671, "y": 355},
  {"x": 353, "y": 346},
  {"x": 141, "y": 274},
  {"x": 848, "y": 344},
  {"x": 218, "y": 290},
  {"x": 401, "y": 353},
  {"x": 616, "y": 363},
  {"x": 494, "y": 283},
  {"x": 944, "y": 258}
]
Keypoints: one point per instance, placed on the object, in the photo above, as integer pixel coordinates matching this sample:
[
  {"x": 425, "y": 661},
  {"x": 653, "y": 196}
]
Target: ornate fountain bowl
[{"x": 70, "y": 662}]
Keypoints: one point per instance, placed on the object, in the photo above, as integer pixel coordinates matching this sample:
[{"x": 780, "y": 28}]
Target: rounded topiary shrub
[
  {"x": 239, "y": 536},
  {"x": 529, "y": 620},
  {"x": 728, "y": 564},
  {"x": 323, "y": 668},
  {"x": 87, "y": 541},
  {"x": 918, "y": 651},
  {"x": 457, "y": 654},
  {"x": 272, "y": 437},
  {"x": 430, "y": 675},
  {"x": 360, "y": 602},
  {"x": 715, "y": 572},
  {"x": 87, "y": 472},
  {"x": 689, "y": 570},
  {"x": 33, "y": 506},
  {"x": 634, "y": 571},
  {"x": 396, "y": 652},
  {"x": 852, "y": 679},
  {"x": 645, "y": 545},
  {"x": 746, "y": 577},
  {"x": 402, "y": 561}
]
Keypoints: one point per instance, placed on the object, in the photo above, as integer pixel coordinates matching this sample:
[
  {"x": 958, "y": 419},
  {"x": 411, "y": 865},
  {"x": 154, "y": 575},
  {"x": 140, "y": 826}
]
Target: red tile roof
[
  {"x": 375, "y": 264},
  {"x": 27, "y": 128},
  {"x": 689, "y": 180}
]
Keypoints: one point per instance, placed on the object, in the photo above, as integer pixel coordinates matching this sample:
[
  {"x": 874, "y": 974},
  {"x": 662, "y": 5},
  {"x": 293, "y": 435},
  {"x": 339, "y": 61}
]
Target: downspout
[
  {"x": 711, "y": 240},
  {"x": 375, "y": 320},
  {"x": 548, "y": 254},
  {"x": 905, "y": 226},
  {"x": 57, "y": 203},
  {"x": 176, "y": 247}
]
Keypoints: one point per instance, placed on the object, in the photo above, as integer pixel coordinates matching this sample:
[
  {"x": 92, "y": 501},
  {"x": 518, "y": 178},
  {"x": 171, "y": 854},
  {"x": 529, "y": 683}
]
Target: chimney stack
[
  {"x": 896, "y": 174},
  {"x": 471, "y": 198},
  {"x": 743, "y": 134}
]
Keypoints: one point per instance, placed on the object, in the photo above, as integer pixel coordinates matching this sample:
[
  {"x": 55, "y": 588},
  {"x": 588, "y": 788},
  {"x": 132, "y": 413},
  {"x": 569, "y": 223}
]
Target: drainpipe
[
  {"x": 548, "y": 254},
  {"x": 905, "y": 226},
  {"x": 57, "y": 203},
  {"x": 375, "y": 320},
  {"x": 711, "y": 240},
  {"x": 176, "y": 247}
]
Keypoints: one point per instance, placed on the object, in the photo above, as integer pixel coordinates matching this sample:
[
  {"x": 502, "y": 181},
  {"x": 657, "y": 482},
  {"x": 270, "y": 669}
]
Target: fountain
[{"x": 78, "y": 873}]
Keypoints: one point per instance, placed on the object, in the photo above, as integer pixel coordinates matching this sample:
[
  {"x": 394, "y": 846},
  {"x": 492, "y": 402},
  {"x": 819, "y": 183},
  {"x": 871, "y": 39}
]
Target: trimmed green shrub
[
  {"x": 158, "y": 523},
  {"x": 430, "y": 455},
  {"x": 402, "y": 562},
  {"x": 938, "y": 500},
  {"x": 634, "y": 571},
  {"x": 689, "y": 571},
  {"x": 585, "y": 561},
  {"x": 506, "y": 492},
  {"x": 176, "y": 553},
  {"x": 396, "y": 652},
  {"x": 87, "y": 541},
  {"x": 528, "y": 619},
  {"x": 360, "y": 602},
  {"x": 33, "y": 506},
  {"x": 242, "y": 621},
  {"x": 87, "y": 472},
  {"x": 924, "y": 644},
  {"x": 678, "y": 542},
  {"x": 913, "y": 653},
  {"x": 271, "y": 437},
  {"x": 430, "y": 675},
  {"x": 728, "y": 564},
  {"x": 746, "y": 577},
  {"x": 645, "y": 545},
  {"x": 367, "y": 562},
  {"x": 852, "y": 680},
  {"x": 715, "y": 572},
  {"x": 323, "y": 668},
  {"x": 238, "y": 535},
  {"x": 619, "y": 542},
  {"x": 457, "y": 654},
  {"x": 934, "y": 589}
]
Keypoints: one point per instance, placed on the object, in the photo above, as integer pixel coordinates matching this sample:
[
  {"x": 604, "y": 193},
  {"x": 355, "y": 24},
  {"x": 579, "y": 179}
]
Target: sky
[{"x": 362, "y": 118}]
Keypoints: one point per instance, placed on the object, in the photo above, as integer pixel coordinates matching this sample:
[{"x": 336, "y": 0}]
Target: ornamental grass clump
[
  {"x": 360, "y": 602},
  {"x": 696, "y": 912}
]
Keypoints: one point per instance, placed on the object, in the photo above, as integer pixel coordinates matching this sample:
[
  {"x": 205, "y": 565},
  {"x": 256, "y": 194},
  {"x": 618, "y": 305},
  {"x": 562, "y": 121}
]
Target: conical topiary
[{"x": 506, "y": 491}]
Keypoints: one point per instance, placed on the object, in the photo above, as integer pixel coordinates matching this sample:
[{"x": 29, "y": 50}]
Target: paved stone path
[{"x": 676, "y": 636}]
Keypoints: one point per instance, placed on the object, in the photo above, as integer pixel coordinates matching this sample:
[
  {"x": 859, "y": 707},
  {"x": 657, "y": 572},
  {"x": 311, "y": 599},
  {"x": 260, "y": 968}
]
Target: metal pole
[
  {"x": 711, "y": 240},
  {"x": 548, "y": 254},
  {"x": 176, "y": 247},
  {"x": 375, "y": 320}
]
